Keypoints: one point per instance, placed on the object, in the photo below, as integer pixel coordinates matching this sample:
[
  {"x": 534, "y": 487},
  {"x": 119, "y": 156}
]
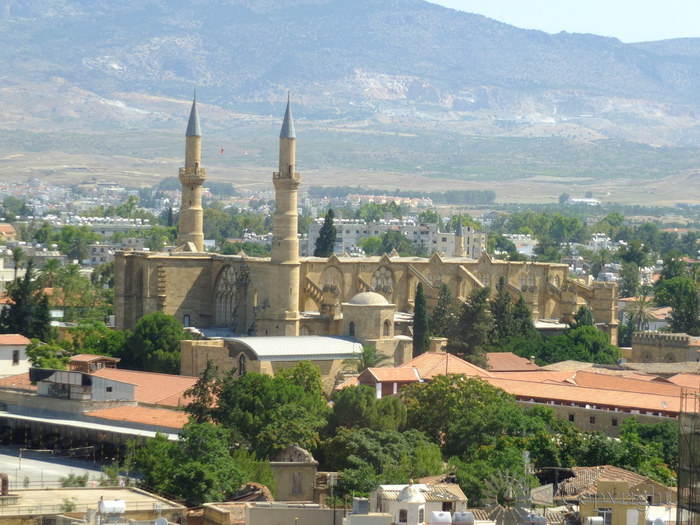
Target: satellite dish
[
  {"x": 664, "y": 404},
  {"x": 162, "y": 521}
]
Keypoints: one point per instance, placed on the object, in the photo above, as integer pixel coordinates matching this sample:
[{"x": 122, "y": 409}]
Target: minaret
[
  {"x": 192, "y": 177},
  {"x": 459, "y": 241},
  {"x": 284, "y": 272}
]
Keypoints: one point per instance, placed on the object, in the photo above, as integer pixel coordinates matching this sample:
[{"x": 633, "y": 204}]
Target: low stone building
[{"x": 663, "y": 347}]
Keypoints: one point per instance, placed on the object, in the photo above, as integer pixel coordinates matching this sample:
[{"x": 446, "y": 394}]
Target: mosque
[{"x": 365, "y": 299}]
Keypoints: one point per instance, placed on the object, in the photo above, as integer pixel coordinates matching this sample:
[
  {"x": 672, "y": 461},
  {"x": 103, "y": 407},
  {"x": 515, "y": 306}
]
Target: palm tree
[
  {"x": 640, "y": 312},
  {"x": 79, "y": 249},
  {"x": 49, "y": 271},
  {"x": 18, "y": 257},
  {"x": 370, "y": 357}
]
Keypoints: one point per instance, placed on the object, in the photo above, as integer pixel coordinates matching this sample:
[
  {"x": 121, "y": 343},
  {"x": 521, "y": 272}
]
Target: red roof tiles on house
[
  {"x": 13, "y": 340},
  {"x": 508, "y": 361},
  {"x": 152, "y": 388},
  {"x": 432, "y": 364},
  {"x": 150, "y": 416}
]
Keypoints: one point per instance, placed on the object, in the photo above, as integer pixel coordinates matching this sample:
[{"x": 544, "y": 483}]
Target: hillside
[{"x": 387, "y": 68}]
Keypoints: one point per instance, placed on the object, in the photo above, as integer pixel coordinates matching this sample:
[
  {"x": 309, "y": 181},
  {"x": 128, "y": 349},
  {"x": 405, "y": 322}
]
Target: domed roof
[
  {"x": 410, "y": 494},
  {"x": 368, "y": 298}
]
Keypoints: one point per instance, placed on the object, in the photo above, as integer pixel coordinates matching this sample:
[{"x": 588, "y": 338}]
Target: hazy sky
[{"x": 628, "y": 20}]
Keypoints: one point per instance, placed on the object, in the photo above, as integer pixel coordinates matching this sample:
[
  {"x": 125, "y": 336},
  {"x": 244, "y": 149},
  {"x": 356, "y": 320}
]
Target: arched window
[
  {"x": 241, "y": 364},
  {"x": 487, "y": 279},
  {"x": 225, "y": 298},
  {"x": 387, "y": 328},
  {"x": 556, "y": 281},
  {"x": 383, "y": 280},
  {"x": 522, "y": 280},
  {"x": 351, "y": 329},
  {"x": 531, "y": 280}
]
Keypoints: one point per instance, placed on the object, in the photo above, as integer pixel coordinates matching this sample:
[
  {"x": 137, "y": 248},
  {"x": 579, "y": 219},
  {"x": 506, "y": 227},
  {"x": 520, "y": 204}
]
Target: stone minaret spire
[
  {"x": 284, "y": 272},
  {"x": 459, "y": 241},
  {"x": 192, "y": 177}
]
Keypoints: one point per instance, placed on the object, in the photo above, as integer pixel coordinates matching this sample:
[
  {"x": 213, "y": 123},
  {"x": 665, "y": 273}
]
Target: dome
[
  {"x": 410, "y": 494},
  {"x": 365, "y": 298}
]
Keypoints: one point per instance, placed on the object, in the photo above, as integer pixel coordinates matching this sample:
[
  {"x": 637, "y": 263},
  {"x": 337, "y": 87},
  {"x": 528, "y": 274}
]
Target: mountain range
[{"x": 386, "y": 66}]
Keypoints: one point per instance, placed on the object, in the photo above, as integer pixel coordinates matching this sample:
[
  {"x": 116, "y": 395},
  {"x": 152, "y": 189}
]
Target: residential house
[{"x": 13, "y": 355}]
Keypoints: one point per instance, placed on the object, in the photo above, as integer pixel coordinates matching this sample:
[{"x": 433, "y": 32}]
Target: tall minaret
[
  {"x": 192, "y": 177},
  {"x": 284, "y": 269},
  {"x": 459, "y": 241}
]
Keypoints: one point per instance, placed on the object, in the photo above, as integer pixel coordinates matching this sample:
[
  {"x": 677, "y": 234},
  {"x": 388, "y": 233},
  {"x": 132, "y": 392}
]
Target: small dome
[
  {"x": 410, "y": 494},
  {"x": 368, "y": 298}
]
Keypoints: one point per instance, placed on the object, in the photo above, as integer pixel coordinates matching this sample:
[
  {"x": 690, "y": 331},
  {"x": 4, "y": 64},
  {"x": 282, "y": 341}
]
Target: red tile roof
[
  {"x": 150, "y": 416},
  {"x": 686, "y": 380},
  {"x": 151, "y": 388},
  {"x": 624, "y": 384},
  {"x": 390, "y": 375},
  {"x": 564, "y": 394},
  {"x": 508, "y": 361},
  {"x": 7, "y": 228},
  {"x": 88, "y": 358},
  {"x": 17, "y": 381},
  {"x": 432, "y": 364},
  {"x": 13, "y": 339}
]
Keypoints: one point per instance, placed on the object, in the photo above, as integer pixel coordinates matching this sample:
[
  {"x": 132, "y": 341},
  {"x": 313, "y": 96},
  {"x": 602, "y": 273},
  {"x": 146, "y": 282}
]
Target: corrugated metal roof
[{"x": 311, "y": 347}]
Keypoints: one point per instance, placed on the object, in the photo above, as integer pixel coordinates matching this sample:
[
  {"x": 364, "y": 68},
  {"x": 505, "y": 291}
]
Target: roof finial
[
  {"x": 193, "y": 129},
  {"x": 288, "y": 124}
]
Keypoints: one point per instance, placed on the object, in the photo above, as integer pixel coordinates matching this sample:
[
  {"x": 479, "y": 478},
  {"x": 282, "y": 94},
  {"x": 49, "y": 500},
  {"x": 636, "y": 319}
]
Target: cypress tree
[
  {"x": 475, "y": 324},
  {"x": 502, "y": 311},
  {"x": 326, "y": 237},
  {"x": 421, "y": 337},
  {"x": 444, "y": 314}
]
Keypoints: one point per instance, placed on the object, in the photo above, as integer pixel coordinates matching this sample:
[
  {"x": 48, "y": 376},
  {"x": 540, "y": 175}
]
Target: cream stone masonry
[
  {"x": 287, "y": 296},
  {"x": 192, "y": 177}
]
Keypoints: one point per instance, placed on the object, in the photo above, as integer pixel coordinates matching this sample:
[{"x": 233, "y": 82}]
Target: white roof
[{"x": 304, "y": 347}]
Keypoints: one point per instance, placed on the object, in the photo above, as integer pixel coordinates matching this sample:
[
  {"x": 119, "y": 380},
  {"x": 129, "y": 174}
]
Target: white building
[
  {"x": 13, "y": 355},
  {"x": 412, "y": 504}
]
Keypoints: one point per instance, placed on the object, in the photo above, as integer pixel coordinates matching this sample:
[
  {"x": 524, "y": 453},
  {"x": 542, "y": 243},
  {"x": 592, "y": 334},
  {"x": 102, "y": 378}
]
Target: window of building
[
  {"x": 592, "y": 420},
  {"x": 351, "y": 329},
  {"x": 186, "y": 320},
  {"x": 109, "y": 389},
  {"x": 614, "y": 422},
  {"x": 387, "y": 328},
  {"x": 15, "y": 357},
  {"x": 421, "y": 515},
  {"x": 403, "y": 516},
  {"x": 571, "y": 418},
  {"x": 606, "y": 514},
  {"x": 241, "y": 365}
]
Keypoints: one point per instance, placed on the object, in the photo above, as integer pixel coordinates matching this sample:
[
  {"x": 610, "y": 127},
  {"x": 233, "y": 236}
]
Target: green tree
[
  {"x": 640, "y": 312},
  {"x": 396, "y": 241},
  {"x": 502, "y": 312},
  {"x": 673, "y": 266},
  {"x": 93, "y": 337},
  {"x": 154, "y": 345},
  {"x": 444, "y": 315},
  {"x": 429, "y": 217},
  {"x": 18, "y": 259},
  {"x": 204, "y": 393},
  {"x": 49, "y": 271},
  {"x": 370, "y": 357},
  {"x": 371, "y": 245},
  {"x": 583, "y": 316},
  {"x": 326, "y": 236},
  {"x": 28, "y": 312},
  {"x": 268, "y": 414},
  {"x": 522, "y": 319},
  {"x": 475, "y": 324},
  {"x": 421, "y": 331},
  {"x": 358, "y": 407},
  {"x": 47, "y": 355},
  {"x": 629, "y": 279}
]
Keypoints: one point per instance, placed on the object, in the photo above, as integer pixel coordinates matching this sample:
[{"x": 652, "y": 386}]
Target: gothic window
[
  {"x": 241, "y": 365},
  {"x": 487, "y": 279},
  {"x": 383, "y": 280},
  {"x": 225, "y": 298},
  {"x": 522, "y": 281},
  {"x": 531, "y": 280},
  {"x": 556, "y": 281}
]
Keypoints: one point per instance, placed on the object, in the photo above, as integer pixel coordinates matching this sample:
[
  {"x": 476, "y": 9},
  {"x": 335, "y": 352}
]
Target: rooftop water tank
[
  {"x": 439, "y": 516},
  {"x": 463, "y": 517},
  {"x": 115, "y": 506}
]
